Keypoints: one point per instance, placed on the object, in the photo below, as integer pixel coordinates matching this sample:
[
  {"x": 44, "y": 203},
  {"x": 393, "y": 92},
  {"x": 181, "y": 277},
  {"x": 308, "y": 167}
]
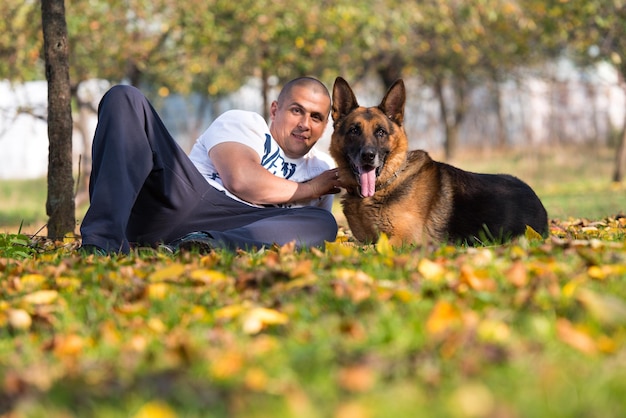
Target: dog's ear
[
  {"x": 344, "y": 100},
  {"x": 392, "y": 104}
]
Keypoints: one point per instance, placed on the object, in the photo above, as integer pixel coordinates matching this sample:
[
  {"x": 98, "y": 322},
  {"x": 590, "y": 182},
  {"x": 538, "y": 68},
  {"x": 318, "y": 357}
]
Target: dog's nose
[{"x": 368, "y": 155}]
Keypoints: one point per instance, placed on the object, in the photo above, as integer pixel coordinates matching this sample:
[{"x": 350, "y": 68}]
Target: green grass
[
  {"x": 526, "y": 329},
  {"x": 531, "y": 328},
  {"x": 572, "y": 183},
  {"x": 22, "y": 202}
]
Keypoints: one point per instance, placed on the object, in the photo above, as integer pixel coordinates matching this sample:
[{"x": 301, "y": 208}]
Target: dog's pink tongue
[{"x": 368, "y": 183}]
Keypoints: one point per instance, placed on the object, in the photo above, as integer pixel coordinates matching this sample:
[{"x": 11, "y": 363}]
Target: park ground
[{"x": 534, "y": 327}]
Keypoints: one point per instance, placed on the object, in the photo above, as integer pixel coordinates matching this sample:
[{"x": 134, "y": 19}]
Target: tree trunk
[
  {"x": 443, "y": 111},
  {"x": 85, "y": 111},
  {"x": 265, "y": 92},
  {"x": 502, "y": 141},
  {"x": 389, "y": 67},
  {"x": 451, "y": 120},
  {"x": 620, "y": 157},
  {"x": 620, "y": 153},
  {"x": 60, "y": 206}
]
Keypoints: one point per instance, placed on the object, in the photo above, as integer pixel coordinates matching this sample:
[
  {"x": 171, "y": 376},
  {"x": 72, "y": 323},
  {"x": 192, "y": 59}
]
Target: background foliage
[{"x": 213, "y": 47}]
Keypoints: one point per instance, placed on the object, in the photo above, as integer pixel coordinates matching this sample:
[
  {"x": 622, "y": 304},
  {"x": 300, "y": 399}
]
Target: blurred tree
[
  {"x": 592, "y": 31},
  {"x": 60, "y": 201},
  {"x": 454, "y": 45},
  {"x": 141, "y": 42},
  {"x": 21, "y": 41},
  {"x": 212, "y": 47}
]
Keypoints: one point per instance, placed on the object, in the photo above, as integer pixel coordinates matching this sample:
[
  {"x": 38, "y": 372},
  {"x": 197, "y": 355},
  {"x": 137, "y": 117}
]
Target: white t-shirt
[{"x": 250, "y": 129}]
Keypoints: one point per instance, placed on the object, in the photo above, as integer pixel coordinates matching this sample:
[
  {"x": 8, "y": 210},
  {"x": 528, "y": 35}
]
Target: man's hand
[{"x": 326, "y": 183}]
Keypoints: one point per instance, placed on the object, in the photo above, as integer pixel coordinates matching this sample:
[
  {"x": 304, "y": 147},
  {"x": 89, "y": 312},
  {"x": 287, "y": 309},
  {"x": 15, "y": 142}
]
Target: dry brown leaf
[
  {"x": 356, "y": 285},
  {"x": 301, "y": 269},
  {"x": 68, "y": 345},
  {"x": 575, "y": 337},
  {"x": 357, "y": 378},
  {"x": 517, "y": 274},
  {"x": 256, "y": 379},
  {"x": 226, "y": 364},
  {"x": 477, "y": 280},
  {"x": 443, "y": 317}
]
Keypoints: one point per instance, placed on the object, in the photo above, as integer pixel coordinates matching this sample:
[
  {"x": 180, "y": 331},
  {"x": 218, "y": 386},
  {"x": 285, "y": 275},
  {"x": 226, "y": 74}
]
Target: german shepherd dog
[{"x": 410, "y": 197}]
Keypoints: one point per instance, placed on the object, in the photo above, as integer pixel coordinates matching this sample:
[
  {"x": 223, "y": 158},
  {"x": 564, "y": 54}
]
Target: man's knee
[
  {"x": 120, "y": 94},
  {"x": 326, "y": 223}
]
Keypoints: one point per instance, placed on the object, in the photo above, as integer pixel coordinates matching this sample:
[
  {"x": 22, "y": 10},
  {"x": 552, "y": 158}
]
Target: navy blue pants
[{"x": 144, "y": 190}]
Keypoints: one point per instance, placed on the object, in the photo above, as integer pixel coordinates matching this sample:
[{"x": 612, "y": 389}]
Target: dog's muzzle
[{"x": 366, "y": 169}]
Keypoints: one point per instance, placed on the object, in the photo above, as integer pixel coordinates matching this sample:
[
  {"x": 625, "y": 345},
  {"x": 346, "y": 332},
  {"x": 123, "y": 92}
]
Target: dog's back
[{"x": 492, "y": 206}]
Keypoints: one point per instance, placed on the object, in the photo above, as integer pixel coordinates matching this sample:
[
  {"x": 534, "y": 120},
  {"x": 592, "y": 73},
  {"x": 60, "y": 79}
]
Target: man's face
[{"x": 300, "y": 121}]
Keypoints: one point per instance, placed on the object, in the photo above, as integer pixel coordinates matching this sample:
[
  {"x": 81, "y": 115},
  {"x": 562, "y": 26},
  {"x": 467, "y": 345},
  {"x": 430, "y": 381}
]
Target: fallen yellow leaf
[
  {"x": 383, "y": 246},
  {"x": 229, "y": 312},
  {"x": 207, "y": 276},
  {"x": 493, "y": 330},
  {"x": 69, "y": 238},
  {"x": 171, "y": 272},
  {"x": 30, "y": 282},
  {"x": 157, "y": 291},
  {"x": 19, "y": 319},
  {"x": 68, "y": 283},
  {"x": 431, "y": 270},
  {"x": 532, "y": 235},
  {"x": 258, "y": 318},
  {"x": 41, "y": 297},
  {"x": 341, "y": 249},
  {"x": 155, "y": 409},
  {"x": 156, "y": 325}
]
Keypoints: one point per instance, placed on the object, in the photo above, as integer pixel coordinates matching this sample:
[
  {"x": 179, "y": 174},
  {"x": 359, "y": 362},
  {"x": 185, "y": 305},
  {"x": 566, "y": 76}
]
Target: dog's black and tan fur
[{"x": 410, "y": 197}]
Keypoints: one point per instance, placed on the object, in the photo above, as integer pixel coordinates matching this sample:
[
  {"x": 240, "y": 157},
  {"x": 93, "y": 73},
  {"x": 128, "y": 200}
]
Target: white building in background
[
  {"x": 24, "y": 130},
  {"x": 573, "y": 107},
  {"x": 23, "y": 137}
]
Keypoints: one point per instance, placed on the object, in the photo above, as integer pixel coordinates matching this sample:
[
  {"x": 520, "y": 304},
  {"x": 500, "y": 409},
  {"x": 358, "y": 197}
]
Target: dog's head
[{"x": 368, "y": 141}]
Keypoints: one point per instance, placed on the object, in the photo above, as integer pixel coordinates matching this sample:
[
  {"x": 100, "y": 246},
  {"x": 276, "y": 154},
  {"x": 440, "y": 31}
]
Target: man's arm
[{"x": 243, "y": 175}]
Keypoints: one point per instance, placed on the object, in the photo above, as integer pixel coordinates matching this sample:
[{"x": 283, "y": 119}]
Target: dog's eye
[
  {"x": 380, "y": 133},
  {"x": 354, "y": 130}
]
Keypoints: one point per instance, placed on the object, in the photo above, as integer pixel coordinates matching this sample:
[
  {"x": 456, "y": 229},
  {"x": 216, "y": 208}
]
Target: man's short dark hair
[{"x": 310, "y": 82}]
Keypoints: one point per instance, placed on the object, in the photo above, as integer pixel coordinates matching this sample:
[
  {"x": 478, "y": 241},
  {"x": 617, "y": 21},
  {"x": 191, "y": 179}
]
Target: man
[{"x": 244, "y": 184}]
